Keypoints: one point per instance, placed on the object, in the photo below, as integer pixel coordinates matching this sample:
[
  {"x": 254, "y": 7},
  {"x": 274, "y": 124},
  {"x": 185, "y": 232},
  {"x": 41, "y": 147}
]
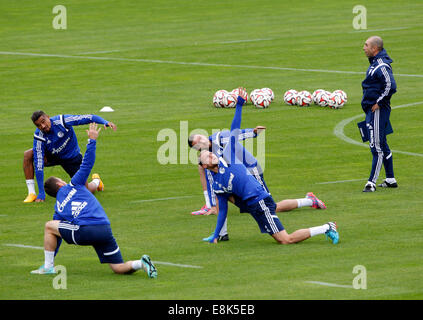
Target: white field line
[
  {"x": 339, "y": 130},
  {"x": 156, "y": 262},
  {"x": 64, "y": 56},
  {"x": 161, "y": 199},
  {"x": 385, "y": 29},
  {"x": 22, "y": 246},
  {"x": 177, "y": 265},
  {"x": 341, "y": 181},
  {"x": 3, "y": 215},
  {"x": 246, "y": 40},
  {"x": 95, "y": 52},
  {"x": 327, "y": 284}
]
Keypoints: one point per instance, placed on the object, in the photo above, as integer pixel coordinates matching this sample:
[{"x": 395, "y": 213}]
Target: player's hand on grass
[
  {"x": 92, "y": 131},
  {"x": 111, "y": 125},
  {"x": 259, "y": 129}
]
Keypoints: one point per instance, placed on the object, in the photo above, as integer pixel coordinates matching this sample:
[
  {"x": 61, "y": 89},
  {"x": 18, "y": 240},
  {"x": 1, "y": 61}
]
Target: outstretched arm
[
  {"x": 223, "y": 212},
  {"x": 77, "y": 120},
  {"x": 38, "y": 152},
  {"x": 82, "y": 174}
]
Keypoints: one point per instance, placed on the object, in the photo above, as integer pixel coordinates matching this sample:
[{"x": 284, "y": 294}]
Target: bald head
[
  {"x": 373, "y": 46},
  {"x": 377, "y": 42}
]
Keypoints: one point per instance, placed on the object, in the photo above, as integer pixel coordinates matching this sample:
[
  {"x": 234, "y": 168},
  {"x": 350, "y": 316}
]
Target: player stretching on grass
[
  {"x": 55, "y": 143},
  {"x": 80, "y": 219},
  {"x": 232, "y": 179},
  {"x": 216, "y": 144}
]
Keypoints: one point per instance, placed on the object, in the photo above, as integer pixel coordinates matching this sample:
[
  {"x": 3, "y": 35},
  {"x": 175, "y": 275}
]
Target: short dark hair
[
  {"x": 51, "y": 187},
  {"x": 36, "y": 115},
  {"x": 190, "y": 140}
]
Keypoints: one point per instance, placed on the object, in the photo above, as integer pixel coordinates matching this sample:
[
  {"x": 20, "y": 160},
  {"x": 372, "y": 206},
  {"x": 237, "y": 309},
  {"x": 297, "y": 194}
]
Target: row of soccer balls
[
  {"x": 260, "y": 98},
  {"x": 323, "y": 98}
]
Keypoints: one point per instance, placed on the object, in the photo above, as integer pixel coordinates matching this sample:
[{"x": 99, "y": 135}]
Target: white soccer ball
[
  {"x": 321, "y": 97},
  {"x": 304, "y": 98},
  {"x": 343, "y": 94},
  {"x": 269, "y": 92},
  {"x": 230, "y": 100},
  {"x": 336, "y": 100},
  {"x": 261, "y": 100},
  {"x": 290, "y": 97},
  {"x": 218, "y": 98},
  {"x": 253, "y": 95},
  {"x": 237, "y": 93},
  {"x": 315, "y": 93}
]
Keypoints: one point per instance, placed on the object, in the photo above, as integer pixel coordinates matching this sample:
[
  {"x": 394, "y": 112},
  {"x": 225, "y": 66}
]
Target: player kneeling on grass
[
  {"x": 80, "y": 219},
  {"x": 232, "y": 179}
]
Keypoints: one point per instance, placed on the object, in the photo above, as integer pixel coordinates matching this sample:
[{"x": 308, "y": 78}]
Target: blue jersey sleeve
[
  {"x": 389, "y": 87},
  {"x": 236, "y": 122},
  {"x": 38, "y": 154},
  {"x": 233, "y": 146},
  {"x": 78, "y": 120},
  {"x": 81, "y": 176},
  {"x": 223, "y": 212}
]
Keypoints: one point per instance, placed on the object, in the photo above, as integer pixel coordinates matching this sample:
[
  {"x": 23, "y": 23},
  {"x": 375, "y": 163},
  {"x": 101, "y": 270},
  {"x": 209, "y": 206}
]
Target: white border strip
[
  {"x": 339, "y": 130},
  {"x": 327, "y": 284},
  {"x": 204, "y": 64}
]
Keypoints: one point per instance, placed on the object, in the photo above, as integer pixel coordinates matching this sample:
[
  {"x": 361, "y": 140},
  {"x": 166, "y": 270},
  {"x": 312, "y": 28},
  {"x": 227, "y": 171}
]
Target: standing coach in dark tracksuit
[{"x": 378, "y": 87}]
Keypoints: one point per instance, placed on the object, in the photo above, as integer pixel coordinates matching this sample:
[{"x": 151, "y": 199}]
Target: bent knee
[{"x": 28, "y": 154}]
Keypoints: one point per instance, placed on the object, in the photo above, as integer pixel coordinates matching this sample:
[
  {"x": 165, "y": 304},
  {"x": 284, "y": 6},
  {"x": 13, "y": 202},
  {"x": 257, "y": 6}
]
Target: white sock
[
  {"x": 224, "y": 229},
  {"x": 31, "y": 186},
  {"x": 96, "y": 182},
  {"x": 206, "y": 197},
  {"x": 391, "y": 180},
  {"x": 314, "y": 231},
  {"x": 371, "y": 183},
  {"x": 48, "y": 259},
  {"x": 136, "y": 264},
  {"x": 305, "y": 202}
]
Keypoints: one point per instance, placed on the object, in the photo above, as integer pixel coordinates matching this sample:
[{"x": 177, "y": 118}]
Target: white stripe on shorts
[
  {"x": 268, "y": 216},
  {"x": 111, "y": 253}
]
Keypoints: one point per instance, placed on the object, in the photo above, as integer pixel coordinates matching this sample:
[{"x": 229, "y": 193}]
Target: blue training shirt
[
  {"x": 60, "y": 142},
  {"x": 74, "y": 202}
]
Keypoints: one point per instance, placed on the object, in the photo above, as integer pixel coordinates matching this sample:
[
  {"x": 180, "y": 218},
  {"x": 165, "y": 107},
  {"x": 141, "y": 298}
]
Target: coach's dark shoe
[
  {"x": 369, "y": 188},
  {"x": 223, "y": 238},
  {"x": 385, "y": 184}
]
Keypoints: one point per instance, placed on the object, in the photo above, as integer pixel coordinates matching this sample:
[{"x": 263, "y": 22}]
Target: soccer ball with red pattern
[
  {"x": 304, "y": 98},
  {"x": 219, "y": 97},
  {"x": 230, "y": 100},
  {"x": 269, "y": 92},
  {"x": 321, "y": 97},
  {"x": 336, "y": 100},
  {"x": 261, "y": 100},
  {"x": 290, "y": 97}
]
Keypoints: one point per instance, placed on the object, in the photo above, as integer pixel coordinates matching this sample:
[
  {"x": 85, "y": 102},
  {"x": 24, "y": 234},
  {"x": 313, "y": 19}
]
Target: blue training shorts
[
  {"x": 264, "y": 213},
  {"x": 98, "y": 236}
]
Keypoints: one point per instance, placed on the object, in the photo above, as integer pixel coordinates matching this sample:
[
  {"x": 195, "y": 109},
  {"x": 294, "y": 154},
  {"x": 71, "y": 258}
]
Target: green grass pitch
[{"x": 159, "y": 63}]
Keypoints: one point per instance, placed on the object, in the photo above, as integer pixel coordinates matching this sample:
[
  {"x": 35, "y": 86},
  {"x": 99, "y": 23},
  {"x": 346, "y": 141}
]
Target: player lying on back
[
  {"x": 80, "y": 219},
  {"x": 232, "y": 179},
  {"x": 55, "y": 143}
]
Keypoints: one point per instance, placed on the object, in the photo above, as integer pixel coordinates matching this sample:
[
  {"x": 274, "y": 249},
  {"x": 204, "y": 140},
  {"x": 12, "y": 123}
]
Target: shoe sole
[{"x": 151, "y": 269}]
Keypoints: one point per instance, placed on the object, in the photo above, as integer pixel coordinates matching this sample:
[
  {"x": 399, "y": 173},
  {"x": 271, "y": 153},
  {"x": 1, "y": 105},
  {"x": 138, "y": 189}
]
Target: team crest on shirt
[
  {"x": 221, "y": 170},
  {"x": 60, "y": 134}
]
